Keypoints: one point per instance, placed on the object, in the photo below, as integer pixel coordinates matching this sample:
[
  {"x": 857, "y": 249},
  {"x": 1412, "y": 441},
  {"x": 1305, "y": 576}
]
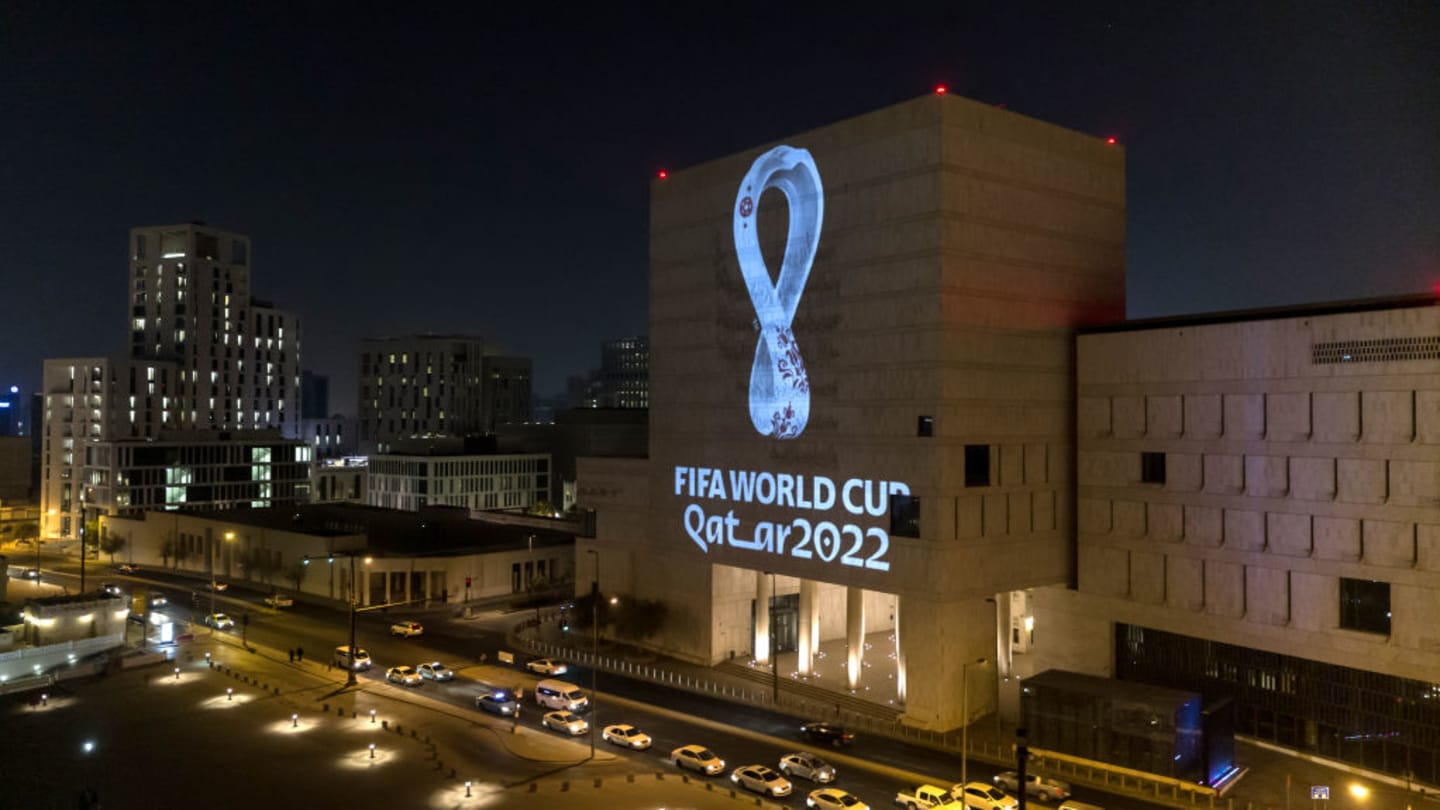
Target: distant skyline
[{"x": 487, "y": 173}]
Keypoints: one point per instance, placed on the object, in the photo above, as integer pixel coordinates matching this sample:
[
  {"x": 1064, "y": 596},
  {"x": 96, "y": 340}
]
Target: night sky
[{"x": 402, "y": 172}]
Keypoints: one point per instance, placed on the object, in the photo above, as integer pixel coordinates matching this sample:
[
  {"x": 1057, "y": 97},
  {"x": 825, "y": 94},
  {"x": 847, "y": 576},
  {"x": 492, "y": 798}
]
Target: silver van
[
  {"x": 561, "y": 696},
  {"x": 344, "y": 660}
]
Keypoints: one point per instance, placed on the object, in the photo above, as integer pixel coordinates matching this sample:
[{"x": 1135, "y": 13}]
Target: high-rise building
[
  {"x": 14, "y": 420},
  {"x": 437, "y": 385},
  {"x": 204, "y": 359},
  {"x": 622, "y": 381},
  {"x": 238, "y": 358},
  {"x": 314, "y": 395}
]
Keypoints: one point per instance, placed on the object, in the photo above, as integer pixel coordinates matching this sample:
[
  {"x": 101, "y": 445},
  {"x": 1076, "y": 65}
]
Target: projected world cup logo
[{"x": 779, "y": 388}]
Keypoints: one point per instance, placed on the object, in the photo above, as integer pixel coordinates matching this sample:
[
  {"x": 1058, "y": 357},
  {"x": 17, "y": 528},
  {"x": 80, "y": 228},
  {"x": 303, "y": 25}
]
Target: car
[
  {"x": 1041, "y": 787},
  {"x": 568, "y": 722},
  {"x": 827, "y": 733},
  {"x": 277, "y": 600},
  {"x": 834, "y": 799},
  {"x": 501, "y": 703},
  {"x": 547, "y": 666},
  {"x": 762, "y": 780},
  {"x": 626, "y": 735},
  {"x": 128, "y": 568},
  {"x": 697, "y": 758},
  {"x": 436, "y": 671},
  {"x": 219, "y": 621},
  {"x": 807, "y": 766},
  {"x": 158, "y": 599},
  {"x": 111, "y": 589},
  {"x": 403, "y": 675},
  {"x": 407, "y": 629},
  {"x": 30, "y": 573},
  {"x": 986, "y": 797},
  {"x": 215, "y": 586}
]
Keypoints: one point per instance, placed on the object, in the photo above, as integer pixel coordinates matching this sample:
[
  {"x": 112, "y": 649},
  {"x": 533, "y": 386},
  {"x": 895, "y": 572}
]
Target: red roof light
[
  {"x": 1110, "y": 140},
  {"x": 940, "y": 89},
  {"x": 664, "y": 174}
]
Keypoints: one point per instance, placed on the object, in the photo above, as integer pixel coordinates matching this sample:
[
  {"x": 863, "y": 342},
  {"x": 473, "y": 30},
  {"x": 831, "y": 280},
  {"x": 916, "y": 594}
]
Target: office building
[
  {"x": 14, "y": 412},
  {"x": 437, "y": 385},
  {"x": 454, "y": 477},
  {"x": 622, "y": 381}
]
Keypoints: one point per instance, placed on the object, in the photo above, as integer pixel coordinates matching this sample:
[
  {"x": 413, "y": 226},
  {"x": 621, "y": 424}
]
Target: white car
[
  {"x": 436, "y": 671},
  {"x": 697, "y": 758},
  {"x": 547, "y": 666},
  {"x": 568, "y": 722},
  {"x": 834, "y": 799},
  {"x": 626, "y": 735},
  {"x": 407, "y": 629},
  {"x": 215, "y": 586},
  {"x": 219, "y": 621},
  {"x": 405, "y": 676},
  {"x": 986, "y": 797},
  {"x": 279, "y": 601},
  {"x": 807, "y": 766},
  {"x": 762, "y": 780},
  {"x": 1041, "y": 787}
]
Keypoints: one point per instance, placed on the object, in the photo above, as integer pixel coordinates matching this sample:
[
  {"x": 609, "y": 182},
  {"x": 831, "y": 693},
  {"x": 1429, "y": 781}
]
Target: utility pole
[
  {"x": 1022, "y": 756},
  {"x": 965, "y": 721},
  {"x": 594, "y": 647}
]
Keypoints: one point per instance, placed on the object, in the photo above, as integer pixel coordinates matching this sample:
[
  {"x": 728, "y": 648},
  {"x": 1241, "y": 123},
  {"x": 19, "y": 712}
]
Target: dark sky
[{"x": 484, "y": 173}]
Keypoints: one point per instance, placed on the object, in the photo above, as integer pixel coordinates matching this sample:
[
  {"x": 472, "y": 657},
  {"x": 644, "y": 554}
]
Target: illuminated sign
[
  {"x": 850, "y": 543},
  {"x": 779, "y": 388}
]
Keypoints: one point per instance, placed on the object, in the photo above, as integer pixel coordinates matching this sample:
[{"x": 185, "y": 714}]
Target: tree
[
  {"x": 111, "y": 544},
  {"x": 27, "y": 530},
  {"x": 638, "y": 619},
  {"x": 90, "y": 538},
  {"x": 181, "y": 554},
  {"x": 295, "y": 573},
  {"x": 168, "y": 548}
]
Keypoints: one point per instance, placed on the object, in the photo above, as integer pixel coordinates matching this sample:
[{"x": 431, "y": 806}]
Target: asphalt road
[{"x": 459, "y": 644}]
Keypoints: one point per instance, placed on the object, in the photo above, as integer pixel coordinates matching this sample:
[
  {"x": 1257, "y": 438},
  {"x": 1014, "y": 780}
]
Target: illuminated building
[
  {"x": 873, "y": 346},
  {"x": 437, "y": 385},
  {"x": 203, "y": 355},
  {"x": 447, "y": 474},
  {"x": 861, "y": 424},
  {"x": 13, "y": 419}
]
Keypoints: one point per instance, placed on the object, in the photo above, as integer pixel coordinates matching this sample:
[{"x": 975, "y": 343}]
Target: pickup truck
[
  {"x": 279, "y": 600},
  {"x": 928, "y": 797}
]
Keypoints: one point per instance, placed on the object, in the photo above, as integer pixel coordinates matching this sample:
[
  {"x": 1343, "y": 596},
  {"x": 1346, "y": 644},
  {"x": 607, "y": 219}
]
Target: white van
[
  {"x": 562, "y": 696},
  {"x": 360, "y": 660}
]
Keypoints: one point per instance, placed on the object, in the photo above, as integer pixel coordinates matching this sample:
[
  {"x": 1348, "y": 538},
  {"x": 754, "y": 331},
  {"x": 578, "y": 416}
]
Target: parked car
[
  {"x": 501, "y": 703},
  {"x": 277, "y": 600},
  {"x": 358, "y": 660},
  {"x": 828, "y": 733},
  {"x": 215, "y": 586},
  {"x": 128, "y": 568},
  {"x": 762, "y": 780},
  {"x": 405, "y": 676},
  {"x": 157, "y": 599},
  {"x": 568, "y": 722},
  {"x": 981, "y": 796},
  {"x": 1041, "y": 787},
  {"x": 547, "y": 666},
  {"x": 834, "y": 799},
  {"x": 30, "y": 573},
  {"x": 111, "y": 589},
  {"x": 626, "y": 735},
  {"x": 697, "y": 758},
  {"x": 407, "y": 629},
  {"x": 436, "y": 671},
  {"x": 219, "y": 621},
  {"x": 929, "y": 797},
  {"x": 807, "y": 766}
]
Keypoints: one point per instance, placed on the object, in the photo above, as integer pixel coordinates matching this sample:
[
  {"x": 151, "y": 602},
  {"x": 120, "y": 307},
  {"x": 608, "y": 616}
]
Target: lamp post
[
  {"x": 210, "y": 559},
  {"x": 350, "y": 679},
  {"x": 774, "y": 657},
  {"x": 594, "y": 645},
  {"x": 965, "y": 720}
]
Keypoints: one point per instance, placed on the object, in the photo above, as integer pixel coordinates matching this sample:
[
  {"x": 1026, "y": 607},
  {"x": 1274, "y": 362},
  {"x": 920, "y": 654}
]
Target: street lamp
[
  {"x": 965, "y": 719},
  {"x": 774, "y": 659},
  {"x": 350, "y": 679},
  {"x": 210, "y": 558},
  {"x": 594, "y": 645}
]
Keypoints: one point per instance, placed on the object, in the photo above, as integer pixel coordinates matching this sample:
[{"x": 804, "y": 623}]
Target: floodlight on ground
[
  {"x": 294, "y": 721},
  {"x": 229, "y": 693}
]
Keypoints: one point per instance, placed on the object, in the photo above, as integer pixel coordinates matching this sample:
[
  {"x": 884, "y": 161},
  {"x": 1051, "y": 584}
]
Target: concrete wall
[{"x": 1283, "y": 475}]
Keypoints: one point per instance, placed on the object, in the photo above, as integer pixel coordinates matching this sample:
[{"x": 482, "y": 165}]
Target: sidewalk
[
  {"x": 1262, "y": 787},
  {"x": 246, "y": 729}
]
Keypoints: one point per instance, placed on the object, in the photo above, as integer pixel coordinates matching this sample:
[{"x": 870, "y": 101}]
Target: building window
[
  {"x": 1365, "y": 605},
  {"x": 977, "y": 465},
  {"x": 904, "y": 516},
  {"x": 925, "y": 427},
  {"x": 1152, "y": 468}
]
